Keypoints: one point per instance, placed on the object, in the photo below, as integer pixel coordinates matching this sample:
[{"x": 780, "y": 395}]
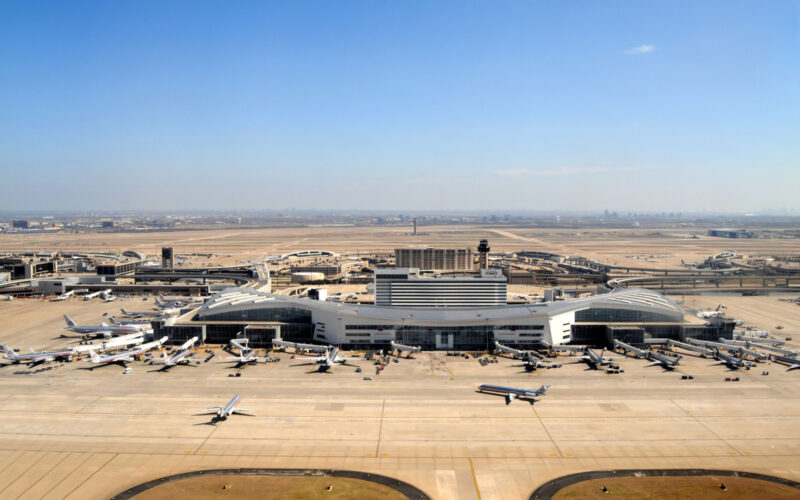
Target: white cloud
[
  {"x": 641, "y": 49},
  {"x": 511, "y": 171},
  {"x": 589, "y": 170}
]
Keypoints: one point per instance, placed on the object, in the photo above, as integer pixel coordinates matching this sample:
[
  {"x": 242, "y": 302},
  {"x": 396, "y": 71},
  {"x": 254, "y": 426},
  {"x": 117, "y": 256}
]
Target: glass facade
[
  {"x": 276, "y": 314},
  {"x": 464, "y": 337},
  {"x": 597, "y": 315}
]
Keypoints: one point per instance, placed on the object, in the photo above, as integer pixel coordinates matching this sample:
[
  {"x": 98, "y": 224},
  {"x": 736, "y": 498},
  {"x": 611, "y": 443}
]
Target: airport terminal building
[{"x": 262, "y": 316}]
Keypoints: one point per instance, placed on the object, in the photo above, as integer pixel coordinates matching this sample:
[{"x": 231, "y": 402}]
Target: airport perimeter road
[{"x": 74, "y": 433}]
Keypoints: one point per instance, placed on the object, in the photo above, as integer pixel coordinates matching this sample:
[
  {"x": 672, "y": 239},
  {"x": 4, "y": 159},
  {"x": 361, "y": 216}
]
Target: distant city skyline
[{"x": 414, "y": 107}]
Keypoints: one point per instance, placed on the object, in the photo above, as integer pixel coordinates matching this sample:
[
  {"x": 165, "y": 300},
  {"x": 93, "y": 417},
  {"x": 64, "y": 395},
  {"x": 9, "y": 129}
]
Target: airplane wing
[
  {"x": 793, "y": 367},
  {"x": 238, "y": 410},
  {"x": 654, "y": 363},
  {"x": 210, "y": 410},
  {"x": 314, "y": 358}
]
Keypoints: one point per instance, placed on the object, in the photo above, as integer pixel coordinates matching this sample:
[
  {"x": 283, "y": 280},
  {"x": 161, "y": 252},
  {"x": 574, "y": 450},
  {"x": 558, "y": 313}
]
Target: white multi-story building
[{"x": 403, "y": 287}]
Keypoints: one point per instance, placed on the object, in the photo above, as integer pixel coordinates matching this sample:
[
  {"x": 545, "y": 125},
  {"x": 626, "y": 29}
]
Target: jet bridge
[
  {"x": 627, "y": 347},
  {"x": 700, "y": 350},
  {"x": 718, "y": 345},
  {"x": 758, "y": 345}
]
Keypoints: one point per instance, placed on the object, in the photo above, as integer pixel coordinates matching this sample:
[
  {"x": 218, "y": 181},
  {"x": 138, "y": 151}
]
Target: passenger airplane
[
  {"x": 327, "y": 361},
  {"x": 223, "y": 412},
  {"x": 691, "y": 264},
  {"x": 182, "y": 357},
  {"x": 729, "y": 361},
  {"x": 103, "y": 329},
  {"x": 63, "y": 296},
  {"x": 793, "y": 363},
  {"x": 151, "y": 314},
  {"x": 127, "y": 356},
  {"x": 107, "y": 297},
  {"x": 410, "y": 349},
  {"x": 716, "y": 313},
  {"x": 593, "y": 359},
  {"x": 114, "y": 343},
  {"x": 300, "y": 347},
  {"x": 246, "y": 356},
  {"x": 665, "y": 362},
  {"x": 35, "y": 358},
  {"x": 511, "y": 393},
  {"x": 531, "y": 363}
]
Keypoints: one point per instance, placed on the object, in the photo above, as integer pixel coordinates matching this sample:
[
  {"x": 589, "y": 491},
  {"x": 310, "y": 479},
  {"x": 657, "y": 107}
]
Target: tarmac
[{"x": 73, "y": 433}]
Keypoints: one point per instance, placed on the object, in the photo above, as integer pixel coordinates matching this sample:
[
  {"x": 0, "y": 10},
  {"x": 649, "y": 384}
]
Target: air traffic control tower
[{"x": 483, "y": 254}]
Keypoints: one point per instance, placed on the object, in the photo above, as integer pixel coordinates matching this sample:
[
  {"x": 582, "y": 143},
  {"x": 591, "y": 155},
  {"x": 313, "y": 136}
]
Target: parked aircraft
[
  {"x": 531, "y": 363},
  {"x": 716, "y": 313},
  {"x": 150, "y": 314},
  {"x": 63, "y": 296},
  {"x": 300, "y": 347},
  {"x": 35, "y": 358},
  {"x": 104, "y": 329},
  {"x": 182, "y": 357},
  {"x": 410, "y": 349},
  {"x": 330, "y": 359},
  {"x": 223, "y": 412},
  {"x": 593, "y": 359},
  {"x": 793, "y": 363},
  {"x": 665, "y": 362},
  {"x": 90, "y": 296},
  {"x": 114, "y": 343},
  {"x": 127, "y": 356},
  {"x": 729, "y": 361},
  {"x": 107, "y": 297},
  {"x": 511, "y": 393},
  {"x": 691, "y": 264}
]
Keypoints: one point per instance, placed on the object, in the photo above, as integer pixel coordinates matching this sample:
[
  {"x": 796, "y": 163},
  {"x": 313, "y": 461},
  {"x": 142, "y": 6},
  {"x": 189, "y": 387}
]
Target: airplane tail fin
[
  {"x": 69, "y": 320},
  {"x": 164, "y": 357},
  {"x": 543, "y": 389},
  {"x": 7, "y": 349},
  {"x": 93, "y": 355}
]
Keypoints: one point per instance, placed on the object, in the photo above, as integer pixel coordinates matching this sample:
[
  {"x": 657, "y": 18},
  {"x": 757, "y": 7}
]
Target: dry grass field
[
  {"x": 667, "y": 246},
  {"x": 269, "y": 488},
  {"x": 676, "y": 488}
]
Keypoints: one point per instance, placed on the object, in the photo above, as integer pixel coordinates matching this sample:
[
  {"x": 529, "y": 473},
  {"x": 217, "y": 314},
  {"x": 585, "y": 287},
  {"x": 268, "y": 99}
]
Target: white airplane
[
  {"x": 410, "y": 349},
  {"x": 729, "y": 361},
  {"x": 104, "y": 329},
  {"x": 8, "y": 298},
  {"x": 665, "y": 362},
  {"x": 107, "y": 297},
  {"x": 90, "y": 296},
  {"x": 127, "y": 356},
  {"x": 223, "y": 412},
  {"x": 63, "y": 296},
  {"x": 246, "y": 356},
  {"x": 180, "y": 301},
  {"x": 182, "y": 357},
  {"x": 716, "y": 313},
  {"x": 593, "y": 359},
  {"x": 34, "y": 358},
  {"x": 691, "y": 264},
  {"x": 330, "y": 359},
  {"x": 793, "y": 363},
  {"x": 511, "y": 393},
  {"x": 151, "y": 314},
  {"x": 300, "y": 347},
  {"x": 115, "y": 321},
  {"x": 115, "y": 343}
]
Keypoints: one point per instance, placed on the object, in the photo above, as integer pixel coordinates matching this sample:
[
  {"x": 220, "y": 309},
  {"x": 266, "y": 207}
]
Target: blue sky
[{"x": 640, "y": 106}]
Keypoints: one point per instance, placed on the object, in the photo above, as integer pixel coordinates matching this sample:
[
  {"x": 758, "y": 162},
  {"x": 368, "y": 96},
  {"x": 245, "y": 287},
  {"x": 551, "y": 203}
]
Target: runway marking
[
  {"x": 88, "y": 405},
  {"x": 704, "y": 426},
  {"x": 544, "y": 427},
  {"x": 206, "y": 439},
  {"x": 46, "y": 474},
  {"x": 28, "y": 468},
  {"x": 380, "y": 428},
  {"x": 474, "y": 478},
  {"x": 115, "y": 455},
  {"x": 433, "y": 366},
  {"x": 88, "y": 456}
]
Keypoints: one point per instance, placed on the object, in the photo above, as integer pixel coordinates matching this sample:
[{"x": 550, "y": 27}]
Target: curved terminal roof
[{"x": 236, "y": 299}]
